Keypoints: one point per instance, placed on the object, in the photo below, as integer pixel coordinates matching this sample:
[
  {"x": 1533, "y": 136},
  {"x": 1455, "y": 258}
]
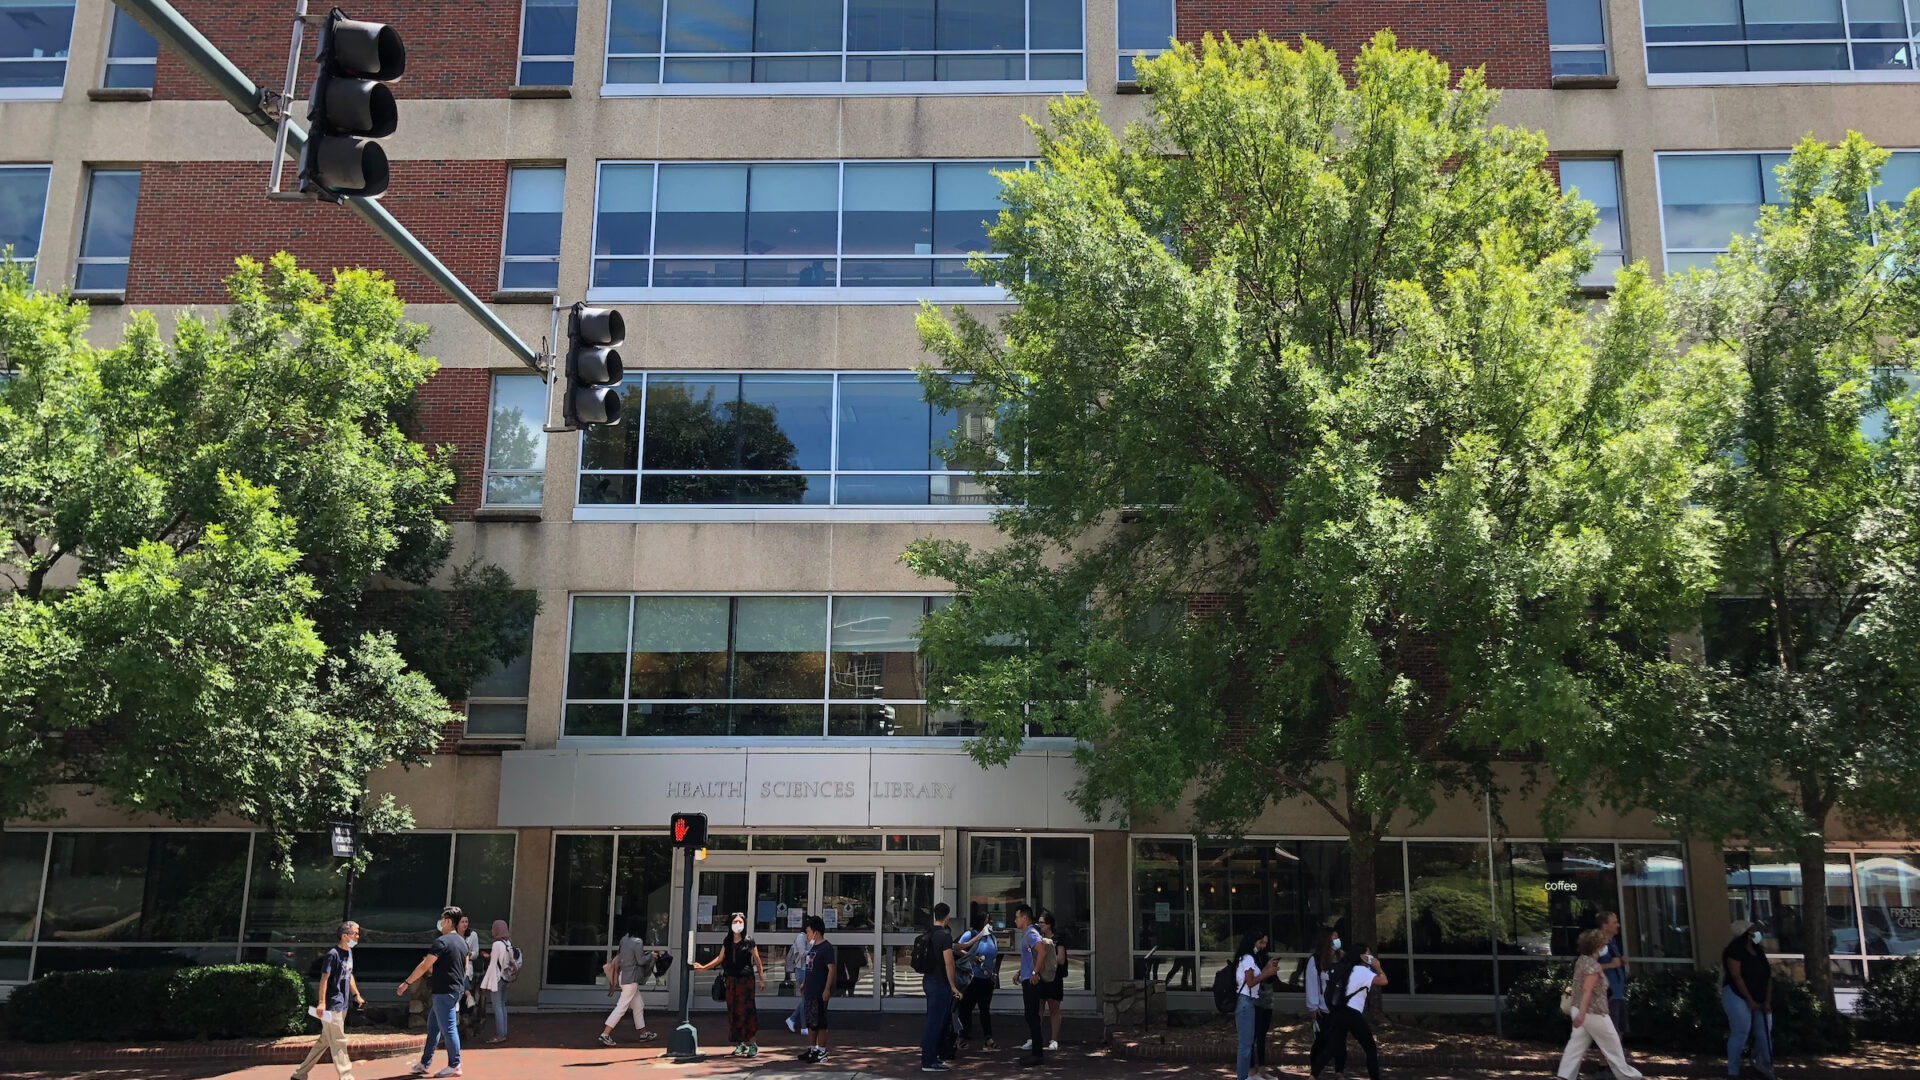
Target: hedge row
[
  {"x": 220, "y": 1002},
  {"x": 1678, "y": 1008}
]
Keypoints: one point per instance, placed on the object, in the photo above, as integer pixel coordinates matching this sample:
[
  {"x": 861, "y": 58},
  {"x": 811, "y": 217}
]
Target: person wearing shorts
[{"x": 817, "y": 990}]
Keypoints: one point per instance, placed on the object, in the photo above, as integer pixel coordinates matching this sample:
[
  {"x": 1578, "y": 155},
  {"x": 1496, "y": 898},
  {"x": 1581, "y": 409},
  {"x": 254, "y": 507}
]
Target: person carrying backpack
[
  {"x": 932, "y": 957},
  {"x": 1249, "y": 971},
  {"x": 503, "y": 966},
  {"x": 982, "y": 958},
  {"x": 1347, "y": 1004}
]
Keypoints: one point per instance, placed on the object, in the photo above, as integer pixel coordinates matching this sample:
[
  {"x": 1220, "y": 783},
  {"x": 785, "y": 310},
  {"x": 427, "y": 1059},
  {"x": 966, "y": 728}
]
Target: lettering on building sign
[
  {"x": 907, "y": 789},
  {"x": 1562, "y": 886},
  {"x": 808, "y": 789},
  {"x": 706, "y": 789}
]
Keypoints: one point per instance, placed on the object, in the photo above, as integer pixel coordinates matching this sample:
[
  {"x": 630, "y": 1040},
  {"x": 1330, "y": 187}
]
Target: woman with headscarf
[{"x": 739, "y": 960}]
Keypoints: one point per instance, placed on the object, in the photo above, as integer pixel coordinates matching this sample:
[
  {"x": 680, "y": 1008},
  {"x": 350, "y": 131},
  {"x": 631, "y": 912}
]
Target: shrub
[
  {"x": 1533, "y": 1001},
  {"x": 1802, "y": 1025},
  {"x": 225, "y": 1001},
  {"x": 1890, "y": 1005},
  {"x": 1676, "y": 1008}
]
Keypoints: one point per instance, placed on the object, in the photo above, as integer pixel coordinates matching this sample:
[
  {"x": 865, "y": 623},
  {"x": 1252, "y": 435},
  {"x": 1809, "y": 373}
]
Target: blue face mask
[
  {"x": 1756, "y": 937},
  {"x": 1336, "y": 943}
]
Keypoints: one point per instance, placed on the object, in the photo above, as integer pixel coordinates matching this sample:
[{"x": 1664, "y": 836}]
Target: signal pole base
[{"x": 682, "y": 1043}]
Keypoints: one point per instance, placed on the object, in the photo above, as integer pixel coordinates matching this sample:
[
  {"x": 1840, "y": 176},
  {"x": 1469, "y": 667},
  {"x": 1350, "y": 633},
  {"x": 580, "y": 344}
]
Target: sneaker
[
  {"x": 649, "y": 1036},
  {"x": 1028, "y": 1045},
  {"x": 935, "y": 1068},
  {"x": 739, "y": 1050},
  {"x": 964, "y": 1044},
  {"x": 1054, "y": 1045},
  {"x": 753, "y": 1049},
  {"x": 790, "y": 1026},
  {"x": 605, "y": 1040},
  {"x": 819, "y": 1058},
  {"x": 805, "y": 1054},
  {"x": 491, "y": 1039},
  {"x": 451, "y": 1070},
  {"x": 991, "y": 1045},
  {"x": 419, "y": 1068}
]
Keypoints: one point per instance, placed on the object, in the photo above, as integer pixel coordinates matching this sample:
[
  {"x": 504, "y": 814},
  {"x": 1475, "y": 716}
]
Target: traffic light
[
  {"x": 592, "y": 394},
  {"x": 689, "y": 830},
  {"x": 350, "y": 107}
]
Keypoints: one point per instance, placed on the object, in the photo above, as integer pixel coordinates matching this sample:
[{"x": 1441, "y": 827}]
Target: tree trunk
[
  {"x": 1812, "y": 852},
  {"x": 1362, "y": 916}
]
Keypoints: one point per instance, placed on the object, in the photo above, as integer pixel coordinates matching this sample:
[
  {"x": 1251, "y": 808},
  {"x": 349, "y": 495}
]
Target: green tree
[
  {"x": 191, "y": 533},
  {"x": 1809, "y": 707},
  {"x": 1320, "y": 486}
]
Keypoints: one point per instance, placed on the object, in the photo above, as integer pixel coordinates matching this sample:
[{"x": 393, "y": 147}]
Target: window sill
[
  {"x": 1586, "y": 82},
  {"x": 120, "y": 93},
  {"x": 506, "y": 513},
  {"x": 488, "y": 745},
  {"x": 523, "y": 296},
  {"x": 1596, "y": 292},
  {"x": 30, "y": 93},
  {"x": 1128, "y": 86},
  {"x": 100, "y": 298},
  {"x": 537, "y": 93}
]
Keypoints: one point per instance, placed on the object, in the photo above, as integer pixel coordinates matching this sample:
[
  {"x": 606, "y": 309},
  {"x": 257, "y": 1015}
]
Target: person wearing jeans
[
  {"x": 938, "y": 985},
  {"x": 1747, "y": 996},
  {"x": 1251, "y": 968},
  {"x": 447, "y": 959}
]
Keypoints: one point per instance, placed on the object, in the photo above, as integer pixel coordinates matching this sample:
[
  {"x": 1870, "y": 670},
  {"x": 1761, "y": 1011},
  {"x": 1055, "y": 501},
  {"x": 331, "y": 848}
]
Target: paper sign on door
[{"x": 831, "y": 917}]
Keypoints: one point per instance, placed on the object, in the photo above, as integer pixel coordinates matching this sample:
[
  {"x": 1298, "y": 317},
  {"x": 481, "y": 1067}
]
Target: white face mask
[
  {"x": 1336, "y": 943},
  {"x": 350, "y": 945},
  {"x": 1756, "y": 937},
  {"x": 739, "y": 927}
]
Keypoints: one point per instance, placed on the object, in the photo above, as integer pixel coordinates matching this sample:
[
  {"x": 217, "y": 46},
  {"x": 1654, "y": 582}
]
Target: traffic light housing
[
  {"x": 350, "y": 107},
  {"x": 689, "y": 831},
  {"x": 591, "y": 396}
]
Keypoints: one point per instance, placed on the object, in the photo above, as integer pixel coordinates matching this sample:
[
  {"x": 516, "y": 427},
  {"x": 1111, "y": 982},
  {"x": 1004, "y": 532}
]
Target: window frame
[
  {"x": 506, "y": 217},
  {"x": 1604, "y": 47},
  {"x": 1849, "y": 74},
  {"x": 55, "y": 91},
  {"x": 1620, "y": 204},
  {"x": 836, "y": 293},
  {"x": 1660, "y": 194},
  {"x": 832, "y": 510},
  {"x": 80, "y": 258},
  {"x": 108, "y": 61},
  {"x": 40, "y": 227},
  {"x": 522, "y": 59},
  {"x": 488, "y": 472},
  {"x": 1123, "y": 68},
  {"x": 842, "y": 88},
  {"x": 1083, "y": 957},
  {"x": 1853, "y": 854}
]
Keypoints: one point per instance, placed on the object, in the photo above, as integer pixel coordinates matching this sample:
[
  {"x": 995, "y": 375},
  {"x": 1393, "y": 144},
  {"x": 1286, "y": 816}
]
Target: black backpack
[
  {"x": 1337, "y": 986},
  {"x": 1223, "y": 989},
  {"x": 922, "y": 957}
]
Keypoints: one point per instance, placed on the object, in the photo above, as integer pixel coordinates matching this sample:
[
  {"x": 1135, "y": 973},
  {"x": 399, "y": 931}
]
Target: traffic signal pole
[{"x": 172, "y": 29}]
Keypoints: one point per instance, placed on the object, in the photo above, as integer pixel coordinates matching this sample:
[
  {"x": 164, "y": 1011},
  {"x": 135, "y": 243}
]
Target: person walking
[
  {"x": 503, "y": 965},
  {"x": 1591, "y": 1023},
  {"x": 1347, "y": 1002},
  {"x": 817, "y": 990},
  {"x": 1249, "y": 971},
  {"x": 337, "y": 985},
  {"x": 740, "y": 972},
  {"x": 1053, "y": 988},
  {"x": 1326, "y": 953},
  {"x": 1746, "y": 993},
  {"x": 796, "y": 974},
  {"x": 982, "y": 953},
  {"x": 937, "y": 983},
  {"x": 447, "y": 960},
  {"x": 1033, "y": 951},
  {"x": 625, "y": 969}
]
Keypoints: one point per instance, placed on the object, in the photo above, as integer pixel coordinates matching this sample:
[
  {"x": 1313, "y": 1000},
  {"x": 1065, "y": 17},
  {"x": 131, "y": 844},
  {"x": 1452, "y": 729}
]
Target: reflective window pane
[
  {"x": 679, "y": 647},
  {"x": 624, "y": 213},
  {"x": 547, "y": 29},
  {"x": 715, "y": 26},
  {"x": 996, "y": 878},
  {"x": 23, "y": 205},
  {"x": 515, "y": 439},
  {"x": 1692, "y": 20},
  {"x": 890, "y": 25},
  {"x": 534, "y": 201},
  {"x": 1707, "y": 198},
  {"x": 1877, "y": 18},
  {"x": 633, "y": 26},
  {"x": 1145, "y": 25},
  {"x": 980, "y": 24},
  {"x": 1448, "y": 898},
  {"x": 786, "y": 421},
  {"x": 798, "y": 26},
  {"x": 703, "y": 209},
  {"x": 1162, "y": 899},
  {"x": 1063, "y": 884},
  {"x": 579, "y": 908},
  {"x": 483, "y": 879},
  {"x": 1054, "y": 24},
  {"x": 95, "y": 885},
  {"x": 36, "y": 29},
  {"x": 1889, "y": 886},
  {"x": 22, "y": 857},
  {"x": 1550, "y": 894},
  {"x": 1598, "y": 181},
  {"x": 779, "y": 644},
  {"x": 792, "y": 209},
  {"x": 966, "y": 197},
  {"x": 597, "y": 649},
  {"x": 130, "y": 53},
  {"x": 889, "y": 209},
  {"x": 1657, "y": 924},
  {"x": 303, "y": 905},
  {"x": 1575, "y": 22},
  {"x": 400, "y": 896},
  {"x": 642, "y": 889},
  {"x": 874, "y": 647},
  {"x": 885, "y": 423},
  {"x": 106, "y": 240}
]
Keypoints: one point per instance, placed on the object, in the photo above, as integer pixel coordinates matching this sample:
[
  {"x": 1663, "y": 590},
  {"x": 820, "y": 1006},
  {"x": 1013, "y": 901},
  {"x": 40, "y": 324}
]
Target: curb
[
  {"x": 1538, "y": 1063},
  {"x": 239, "y": 1052}
]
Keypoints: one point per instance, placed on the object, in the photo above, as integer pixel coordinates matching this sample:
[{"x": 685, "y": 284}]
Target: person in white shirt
[
  {"x": 1248, "y": 974},
  {"x": 1347, "y": 994},
  {"x": 1326, "y": 954},
  {"x": 499, "y": 959}
]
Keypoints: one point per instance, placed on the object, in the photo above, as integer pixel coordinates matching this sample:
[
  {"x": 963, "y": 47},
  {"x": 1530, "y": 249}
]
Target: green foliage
[
  {"x": 1311, "y": 349},
  {"x": 1803, "y": 1024},
  {"x": 1533, "y": 1001},
  {"x": 220, "y": 1002},
  {"x": 190, "y": 529},
  {"x": 1676, "y": 1008},
  {"x": 1890, "y": 1004}
]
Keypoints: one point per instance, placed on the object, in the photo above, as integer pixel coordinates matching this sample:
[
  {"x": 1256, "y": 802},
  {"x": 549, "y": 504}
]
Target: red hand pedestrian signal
[{"x": 689, "y": 830}]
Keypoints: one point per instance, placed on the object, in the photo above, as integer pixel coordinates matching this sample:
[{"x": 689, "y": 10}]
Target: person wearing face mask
[
  {"x": 625, "y": 970},
  {"x": 336, "y": 985},
  {"x": 1746, "y": 993},
  {"x": 1251, "y": 967},
  {"x": 1326, "y": 953},
  {"x": 740, "y": 970},
  {"x": 447, "y": 960}
]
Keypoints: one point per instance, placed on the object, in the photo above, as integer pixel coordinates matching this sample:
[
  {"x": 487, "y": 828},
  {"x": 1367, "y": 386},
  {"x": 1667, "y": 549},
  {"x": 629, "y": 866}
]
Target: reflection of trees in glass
[
  {"x": 707, "y": 433},
  {"x": 194, "y": 886},
  {"x": 515, "y": 441}
]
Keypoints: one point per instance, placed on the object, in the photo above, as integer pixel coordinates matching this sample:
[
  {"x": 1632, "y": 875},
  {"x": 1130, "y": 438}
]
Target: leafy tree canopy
[
  {"x": 192, "y": 529},
  {"x": 1318, "y": 474}
]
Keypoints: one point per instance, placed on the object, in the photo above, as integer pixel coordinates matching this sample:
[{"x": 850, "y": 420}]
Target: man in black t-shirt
[
  {"x": 447, "y": 959},
  {"x": 336, "y": 987},
  {"x": 937, "y": 984},
  {"x": 818, "y": 988}
]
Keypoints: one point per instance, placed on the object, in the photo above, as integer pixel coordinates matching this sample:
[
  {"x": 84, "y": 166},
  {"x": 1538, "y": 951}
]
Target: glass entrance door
[
  {"x": 782, "y": 899},
  {"x": 847, "y": 906},
  {"x": 847, "y": 899}
]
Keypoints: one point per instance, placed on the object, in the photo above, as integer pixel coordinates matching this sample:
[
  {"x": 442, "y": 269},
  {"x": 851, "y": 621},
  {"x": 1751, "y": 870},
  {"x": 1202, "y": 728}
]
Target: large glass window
[
  {"x": 749, "y": 666},
  {"x": 1754, "y": 40},
  {"x": 1657, "y": 921},
  {"x": 1553, "y": 893},
  {"x": 530, "y": 248},
  {"x": 1146, "y": 26},
  {"x": 516, "y": 441},
  {"x": 1766, "y": 887},
  {"x": 23, "y": 208},
  {"x": 546, "y": 42},
  {"x": 711, "y": 231},
  {"x": 1889, "y": 888},
  {"x": 130, "y": 54},
  {"x": 1577, "y": 37},
  {"x": 497, "y": 700},
  {"x": 34, "y": 37},
  {"x": 1705, "y": 199},
  {"x": 144, "y": 887},
  {"x": 752, "y": 439},
  {"x": 871, "y": 46},
  {"x": 1597, "y": 180},
  {"x": 1050, "y": 873},
  {"x": 106, "y": 240}
]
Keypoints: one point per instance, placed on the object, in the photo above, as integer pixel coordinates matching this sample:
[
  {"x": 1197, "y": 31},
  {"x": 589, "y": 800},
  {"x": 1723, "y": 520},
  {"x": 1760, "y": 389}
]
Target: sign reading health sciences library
[{"x": 866, "y": 787}]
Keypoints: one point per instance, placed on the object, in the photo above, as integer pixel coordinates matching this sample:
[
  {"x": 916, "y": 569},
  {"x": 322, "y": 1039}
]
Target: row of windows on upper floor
[
  {"x": 973, "y": 46},
  {"x": 862, "y": 231}
]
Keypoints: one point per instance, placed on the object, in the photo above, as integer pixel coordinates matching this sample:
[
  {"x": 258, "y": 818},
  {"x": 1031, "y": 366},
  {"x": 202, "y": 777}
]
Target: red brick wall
[
  {"x": 454, "y": 50},
  {"x": 195, "y": 217},
  {"x": 1509, "y": 38},
  {"x": 453, "y": 411}
]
